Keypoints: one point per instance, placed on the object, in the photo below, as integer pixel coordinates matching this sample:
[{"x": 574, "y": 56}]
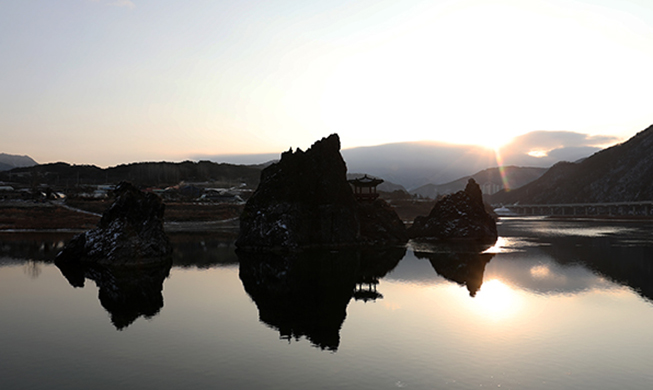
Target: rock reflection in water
[
  {"x": 463, "y": 265},
  {"x": 307, "y": 293},
  {"x": 125, "y": 292}
]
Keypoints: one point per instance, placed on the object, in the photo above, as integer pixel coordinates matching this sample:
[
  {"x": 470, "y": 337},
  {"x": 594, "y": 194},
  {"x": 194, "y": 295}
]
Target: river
[{"x": 562, "y": 304}]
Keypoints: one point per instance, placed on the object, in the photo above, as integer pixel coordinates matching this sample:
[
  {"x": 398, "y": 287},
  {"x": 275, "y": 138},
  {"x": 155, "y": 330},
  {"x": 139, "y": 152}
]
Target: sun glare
[
  {"x": 502, "y": 169},
  {"x": 496, "y": 300}
]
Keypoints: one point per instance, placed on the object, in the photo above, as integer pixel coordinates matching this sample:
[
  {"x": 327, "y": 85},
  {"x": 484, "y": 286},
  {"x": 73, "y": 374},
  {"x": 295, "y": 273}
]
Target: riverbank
[
  {"x": 80, "y": 215},
  {"x": 17, "y": 216}
]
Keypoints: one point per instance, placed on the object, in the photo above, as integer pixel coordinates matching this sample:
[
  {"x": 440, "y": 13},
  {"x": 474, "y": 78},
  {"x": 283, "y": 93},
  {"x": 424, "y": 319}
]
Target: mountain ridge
[
  {"x": 491, "y": 181},
  {"x": 11, "y": 161},
  {"x": 414, "y": 164},
  {"x": 621, "y": 173},
  {"x": 142, "y": 174}
]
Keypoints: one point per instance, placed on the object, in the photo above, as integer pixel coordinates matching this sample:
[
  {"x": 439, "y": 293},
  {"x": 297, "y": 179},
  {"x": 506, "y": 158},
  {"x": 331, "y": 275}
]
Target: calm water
[{"x": 555, "y": 305}]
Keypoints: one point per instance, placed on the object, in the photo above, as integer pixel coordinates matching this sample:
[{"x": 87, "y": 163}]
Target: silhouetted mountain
[
  {"x": 620, "y": 173},
  {"x": 11, "y": 161},
  {"x": 491, "y": 181},
  {"x": 141, "y": 174}
]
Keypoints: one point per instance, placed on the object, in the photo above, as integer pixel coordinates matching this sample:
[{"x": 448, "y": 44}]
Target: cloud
[
  {"x": 550, "y": 140},
  {"x": 545, "y": 148}
]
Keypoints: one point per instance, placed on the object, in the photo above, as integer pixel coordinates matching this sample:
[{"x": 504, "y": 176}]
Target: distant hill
[
  {"x": 141, "y": 174},
  {"x": 11, "y": 161},
  {"x": 618, "y": 174},
  {"x": 491, "y": 181},
  {"x": 414, "y": 164}
]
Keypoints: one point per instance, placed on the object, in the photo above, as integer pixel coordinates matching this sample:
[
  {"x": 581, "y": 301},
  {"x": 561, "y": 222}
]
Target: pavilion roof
[{"x": 365, "y": 181}]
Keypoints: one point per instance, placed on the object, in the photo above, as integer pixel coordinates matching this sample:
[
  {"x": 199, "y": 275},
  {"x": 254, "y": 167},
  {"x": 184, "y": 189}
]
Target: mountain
[
  {"x": 11, "y": 161},
  {"x": 491, "y": 181},
  {"x": 621, "y": 173},
  {"x": 414, "y": 164},
  {"x": 141, "y": 174}
]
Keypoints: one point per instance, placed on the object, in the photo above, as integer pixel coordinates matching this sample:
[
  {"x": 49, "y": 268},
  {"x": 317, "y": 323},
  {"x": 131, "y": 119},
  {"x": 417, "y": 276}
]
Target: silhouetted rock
[
  {"x": 304, "y": 200},
  {"x": 129, "y": 233},
  {"x": 380, "y": 224},
  {"x": 305, "y": 294},
  {"x": 458, "y": 216},
  {"x": 125, "y": 292}
]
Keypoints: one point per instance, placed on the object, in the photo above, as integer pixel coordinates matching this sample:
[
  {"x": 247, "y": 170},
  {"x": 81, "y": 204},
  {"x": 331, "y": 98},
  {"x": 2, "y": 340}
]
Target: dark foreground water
[{"x": 555, "y": 305}]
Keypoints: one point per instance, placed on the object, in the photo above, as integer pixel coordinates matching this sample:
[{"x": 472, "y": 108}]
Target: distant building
[{"x": 490, "y": 188}]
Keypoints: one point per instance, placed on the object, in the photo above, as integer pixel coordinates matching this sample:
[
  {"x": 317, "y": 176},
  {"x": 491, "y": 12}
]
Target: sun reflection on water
[
  {"x": 496, "y": 300},
  {"x": 541, "y": 271},
  {"x": 498, "y": 246}
]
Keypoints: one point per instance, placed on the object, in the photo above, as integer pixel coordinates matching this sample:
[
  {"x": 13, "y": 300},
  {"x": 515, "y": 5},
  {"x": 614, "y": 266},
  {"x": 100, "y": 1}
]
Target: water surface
[{"x": 556, "y": 304}]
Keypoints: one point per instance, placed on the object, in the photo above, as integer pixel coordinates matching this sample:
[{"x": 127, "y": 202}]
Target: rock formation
[
  {"x": 129, "y": 233},
  {"x": 379, "y": 223},
  {"x": 459, "y": 216},
  {"x": 304, "y": 201}
]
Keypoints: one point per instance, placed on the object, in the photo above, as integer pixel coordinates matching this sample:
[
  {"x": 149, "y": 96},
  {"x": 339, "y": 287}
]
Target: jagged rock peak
[
  {"x": 473, "y": 190},
  {"x": 457, "y": 217},
  {"x": 304, "y": 200}
]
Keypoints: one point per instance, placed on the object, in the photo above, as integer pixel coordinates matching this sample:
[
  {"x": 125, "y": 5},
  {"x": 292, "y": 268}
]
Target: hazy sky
[{"x": 114, "y": 81}]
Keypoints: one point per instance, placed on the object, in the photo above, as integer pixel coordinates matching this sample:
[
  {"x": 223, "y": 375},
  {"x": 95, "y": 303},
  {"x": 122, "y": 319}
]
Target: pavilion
[{"x": 365, "y": 188}]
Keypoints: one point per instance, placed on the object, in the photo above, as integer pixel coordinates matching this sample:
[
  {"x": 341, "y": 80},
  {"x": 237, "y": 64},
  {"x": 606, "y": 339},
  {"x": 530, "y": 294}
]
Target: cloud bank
[{"x": 545, "y": 148}]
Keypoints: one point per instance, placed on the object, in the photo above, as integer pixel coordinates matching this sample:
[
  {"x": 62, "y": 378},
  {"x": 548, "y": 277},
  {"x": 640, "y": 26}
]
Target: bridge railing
[{"x": 639, "y": 208}]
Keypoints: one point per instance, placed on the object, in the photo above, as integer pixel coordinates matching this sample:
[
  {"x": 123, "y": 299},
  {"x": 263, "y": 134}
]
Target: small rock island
[
  {"x": 304, "y": 201},
  {"x": 460, "y": 216},
  {"x": 129, "y": 233}
]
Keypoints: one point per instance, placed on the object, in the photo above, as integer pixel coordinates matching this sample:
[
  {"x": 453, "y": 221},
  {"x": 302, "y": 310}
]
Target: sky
[{"x": 107, "y": 82}]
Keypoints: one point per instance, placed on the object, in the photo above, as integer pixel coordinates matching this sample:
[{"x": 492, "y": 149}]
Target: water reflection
[
  {"x": 306, "y": 294},
  {"x": 544, "y": 317},
  {"x": 620, "y": 251},
  {"x": 464, "y": 268},
  {"x": 126, "y": 292},
  {"x": 41, "y": 247}
]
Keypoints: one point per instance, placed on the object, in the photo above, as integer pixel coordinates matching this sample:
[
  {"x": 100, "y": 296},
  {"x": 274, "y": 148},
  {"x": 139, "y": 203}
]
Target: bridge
[{"x": 637, "y": 209}]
